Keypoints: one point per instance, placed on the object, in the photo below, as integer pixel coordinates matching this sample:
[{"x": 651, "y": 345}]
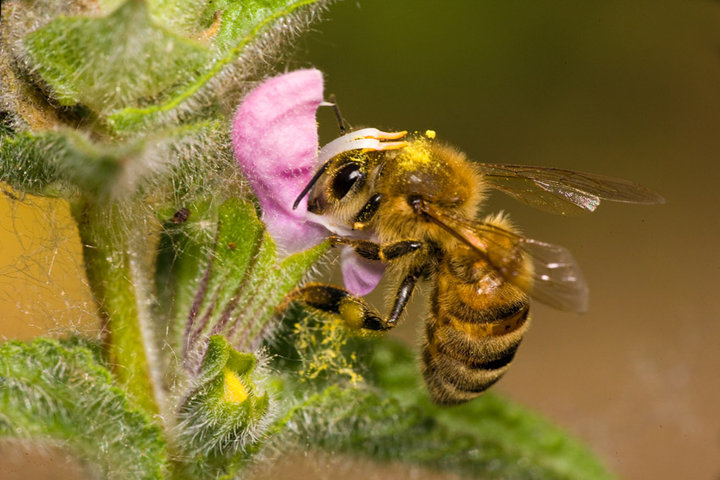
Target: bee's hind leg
[
  {"x": 329, "y": 299},
  {"x": 355, "y": 312}
]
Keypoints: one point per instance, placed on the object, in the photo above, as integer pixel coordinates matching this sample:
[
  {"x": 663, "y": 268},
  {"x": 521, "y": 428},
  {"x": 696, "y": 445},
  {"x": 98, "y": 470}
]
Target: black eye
[{"x": 345, "y": 178}]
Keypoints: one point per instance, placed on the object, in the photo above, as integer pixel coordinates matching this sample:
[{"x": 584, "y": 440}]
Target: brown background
[{"x": 624, "y": 88}]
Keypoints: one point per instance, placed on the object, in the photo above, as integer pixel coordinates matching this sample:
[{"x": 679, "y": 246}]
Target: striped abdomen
[{"x": 476, "y": 324}]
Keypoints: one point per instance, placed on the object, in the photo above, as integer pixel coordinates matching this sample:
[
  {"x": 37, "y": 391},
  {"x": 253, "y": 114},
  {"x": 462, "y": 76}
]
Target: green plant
[{"x": 121, "y": 108}]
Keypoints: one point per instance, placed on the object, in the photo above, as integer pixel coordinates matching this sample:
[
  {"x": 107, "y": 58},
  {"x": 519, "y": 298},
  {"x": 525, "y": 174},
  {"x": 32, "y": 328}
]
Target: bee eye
[{"x": 345, "y": 178}]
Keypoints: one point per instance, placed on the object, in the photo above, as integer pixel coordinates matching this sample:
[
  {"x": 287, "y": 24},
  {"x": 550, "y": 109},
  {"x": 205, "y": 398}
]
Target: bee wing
[
  {"x": 564, "y": 191},
  {"x": 555, "y": 277}
]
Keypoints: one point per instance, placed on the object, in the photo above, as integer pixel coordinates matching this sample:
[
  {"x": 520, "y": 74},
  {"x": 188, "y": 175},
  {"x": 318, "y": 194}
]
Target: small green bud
[{"x": 227, "y": 410}]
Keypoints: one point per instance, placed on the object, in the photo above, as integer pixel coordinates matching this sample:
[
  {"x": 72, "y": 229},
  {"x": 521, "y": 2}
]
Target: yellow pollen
[
  {"x": 352, "y": 313},
  {"x": 234, "y": 391},
  {"x": 430, "y": 133}
]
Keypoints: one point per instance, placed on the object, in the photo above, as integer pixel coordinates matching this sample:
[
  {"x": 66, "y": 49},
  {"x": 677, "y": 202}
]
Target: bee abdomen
[{"x": 464, "y": 357}]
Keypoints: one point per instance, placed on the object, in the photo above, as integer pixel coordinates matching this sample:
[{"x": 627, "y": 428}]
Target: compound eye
[{"x": 345, "y": 178}]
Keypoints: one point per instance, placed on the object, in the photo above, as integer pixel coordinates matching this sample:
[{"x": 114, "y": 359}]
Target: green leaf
[
  {"x": 52, "y": 393},
  {"x": 64, "y": 163},
  {"x": 241, "y": 23},
  {"x": 319, "y": 350},
  {"x": 114, "y": 61},
  {"x": 218, "y": 274},
  {"x": 488, "y": 438},
  {"x": 28, "y": 162},
  {"x": 521, "y": 436},
  {"x": 241, "y": 20}
]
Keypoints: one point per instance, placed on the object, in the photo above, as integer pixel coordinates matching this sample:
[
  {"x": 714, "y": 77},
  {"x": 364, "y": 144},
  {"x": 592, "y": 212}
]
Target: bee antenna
[
  {"x": 338, "y": 115},
  {"x": 310, "y": 184}
]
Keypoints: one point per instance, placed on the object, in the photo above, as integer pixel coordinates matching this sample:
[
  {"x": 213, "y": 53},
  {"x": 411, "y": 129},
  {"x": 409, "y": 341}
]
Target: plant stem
[{"x": 117, "y": 275}]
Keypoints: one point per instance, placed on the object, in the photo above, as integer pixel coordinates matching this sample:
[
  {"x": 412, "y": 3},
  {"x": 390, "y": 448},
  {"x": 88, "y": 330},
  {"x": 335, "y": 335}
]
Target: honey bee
[{"x": 415, "y": 205}]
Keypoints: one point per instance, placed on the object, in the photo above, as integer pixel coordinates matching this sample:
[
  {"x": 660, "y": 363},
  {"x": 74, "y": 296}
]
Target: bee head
[
  {"x": 350, "y": 167},
  {"x": 336, "y": 183}
]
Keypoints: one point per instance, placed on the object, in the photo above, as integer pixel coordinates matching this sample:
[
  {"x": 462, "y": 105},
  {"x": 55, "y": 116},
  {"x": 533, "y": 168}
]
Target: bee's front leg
[
  {"x": 375, "y": 251},
  {"x": 367, "y": 212}
]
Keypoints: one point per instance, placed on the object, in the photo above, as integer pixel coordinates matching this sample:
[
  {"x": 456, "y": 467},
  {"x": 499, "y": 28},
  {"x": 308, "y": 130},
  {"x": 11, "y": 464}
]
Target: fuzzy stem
[{"x": 114, "y": 267}]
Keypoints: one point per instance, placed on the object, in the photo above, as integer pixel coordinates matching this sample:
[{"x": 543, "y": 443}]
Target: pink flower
[{"x": 275, "y": 141}]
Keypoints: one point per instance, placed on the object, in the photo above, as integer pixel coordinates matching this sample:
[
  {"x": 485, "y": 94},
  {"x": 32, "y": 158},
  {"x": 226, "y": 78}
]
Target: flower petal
[
  {"x": 360, "y": 275},
  {"x": 275, "y": 140}
]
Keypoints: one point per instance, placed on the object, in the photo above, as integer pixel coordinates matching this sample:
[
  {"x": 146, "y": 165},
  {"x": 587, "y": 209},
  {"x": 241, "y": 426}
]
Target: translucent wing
[
  {"x": 557, "y": 279},
  {"x": 564, "y": 191},
  {"x": 544, "y": 271}
]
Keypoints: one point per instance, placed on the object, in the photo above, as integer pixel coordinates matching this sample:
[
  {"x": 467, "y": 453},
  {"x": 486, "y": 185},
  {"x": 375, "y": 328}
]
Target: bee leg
[
  {"x": 375, "y": 251},
  {"x": 354, "y": 311},
  {"x": 364, "y": 248},
  {"x": 367, "y": 212},
  {"x": 401, "y": 299},
  {"x": 391, "y": 251}
]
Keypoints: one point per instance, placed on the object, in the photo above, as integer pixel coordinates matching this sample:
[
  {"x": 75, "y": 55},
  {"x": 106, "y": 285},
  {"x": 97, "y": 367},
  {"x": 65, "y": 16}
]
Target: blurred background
[{"x": 623, "y": 88}]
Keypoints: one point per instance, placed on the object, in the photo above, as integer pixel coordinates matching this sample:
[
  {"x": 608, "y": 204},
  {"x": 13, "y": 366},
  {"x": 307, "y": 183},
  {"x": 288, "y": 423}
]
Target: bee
[{"x": 415, "y": 205}]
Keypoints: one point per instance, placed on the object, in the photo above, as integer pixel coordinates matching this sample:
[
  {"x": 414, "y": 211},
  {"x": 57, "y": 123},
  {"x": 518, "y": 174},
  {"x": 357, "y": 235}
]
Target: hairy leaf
[
  {"x": 52, "y": 393},
  {"x": 241, "y": 21},
  {"x": 237, "y": 25},
  {"x": 525, "y": 439},
  {"x": 395, "y": 421},
  {"x": 28, "y": 162},
  {"x": 114, "y": 61},
  {"x": 63, "y": 163}
]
